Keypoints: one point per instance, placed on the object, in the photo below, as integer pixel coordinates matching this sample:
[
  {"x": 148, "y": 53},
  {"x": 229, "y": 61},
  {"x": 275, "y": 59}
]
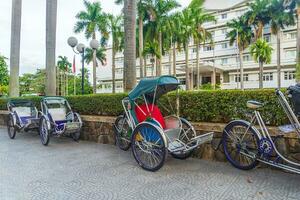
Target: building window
[
  {"x": 246, "y": 58},
  {"x": 267, "y": 38},
  {"x": 208, "y": 48},
  {"x": 224, "y": 45},
  {"x": 268, "y": 76},
  {"x": 290, "y": 54},
  {"x": 291, "y": 36},
  {"x": 224, "y": 31},
  {"x": 237, "y": 78},
  {"x": 291, "y": 75},
  {"x": 224, "y": 61},
  {"x": 224, "y": 16}
]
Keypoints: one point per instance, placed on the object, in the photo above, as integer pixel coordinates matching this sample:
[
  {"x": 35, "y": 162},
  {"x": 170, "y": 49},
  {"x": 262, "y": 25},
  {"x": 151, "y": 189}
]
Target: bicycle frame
[{"x": 264, "y": 133}]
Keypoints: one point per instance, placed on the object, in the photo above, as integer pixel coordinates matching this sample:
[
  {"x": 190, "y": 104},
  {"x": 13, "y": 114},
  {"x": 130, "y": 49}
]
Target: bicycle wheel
[
  {"x": 240, "y": 144},
  {"x": 44, "y": 132},
  {"x": 11, "y": 130},
  {"x": 122, "y": 133},
  {"x": 187, "y": 133},
  {"x": 76, "y": 135},
  {"x": 148, "y": 147}
]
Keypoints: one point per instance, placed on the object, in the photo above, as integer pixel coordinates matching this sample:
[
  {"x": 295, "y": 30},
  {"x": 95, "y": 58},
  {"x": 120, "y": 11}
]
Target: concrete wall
[{"x": 100, "y": 129}]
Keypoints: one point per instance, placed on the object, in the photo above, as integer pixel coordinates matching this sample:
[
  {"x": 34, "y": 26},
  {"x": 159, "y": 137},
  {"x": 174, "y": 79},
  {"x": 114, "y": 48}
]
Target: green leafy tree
[
  {"x": 4, "y": 76},
  {"x": 262, "y": 53},
  {"x": 90, "y": 21},
  {"x": 26, "y": 83},
  {"x": 152, "y": 49},
  {"x": 241, "y": 34}
]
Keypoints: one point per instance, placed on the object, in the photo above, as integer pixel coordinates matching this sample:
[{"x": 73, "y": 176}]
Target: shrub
[{"x": 198, "y": 106}]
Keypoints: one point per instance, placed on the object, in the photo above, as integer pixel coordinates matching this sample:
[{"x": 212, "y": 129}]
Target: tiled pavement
[{"x": 69, "y": 170}]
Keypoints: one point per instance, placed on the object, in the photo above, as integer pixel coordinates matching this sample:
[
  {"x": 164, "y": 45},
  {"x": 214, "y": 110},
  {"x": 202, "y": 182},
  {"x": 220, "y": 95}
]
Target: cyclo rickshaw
[
  {"x": 57, "y": 119},
  {"x": 150, "y": 135},
  {"x": 23, "y": 116}
]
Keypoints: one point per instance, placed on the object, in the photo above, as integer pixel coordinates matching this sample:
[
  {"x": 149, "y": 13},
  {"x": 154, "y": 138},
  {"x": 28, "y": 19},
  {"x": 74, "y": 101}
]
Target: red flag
[{"x": 73, "y": 66}]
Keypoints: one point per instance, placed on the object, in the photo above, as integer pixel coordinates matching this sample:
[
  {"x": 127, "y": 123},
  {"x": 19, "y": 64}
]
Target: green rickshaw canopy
[{"x": 157, "y": 87}]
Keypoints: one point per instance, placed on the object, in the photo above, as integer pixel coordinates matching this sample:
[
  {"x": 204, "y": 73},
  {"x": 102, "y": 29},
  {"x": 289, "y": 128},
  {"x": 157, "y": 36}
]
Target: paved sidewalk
[{"x": 69, "y": 170}]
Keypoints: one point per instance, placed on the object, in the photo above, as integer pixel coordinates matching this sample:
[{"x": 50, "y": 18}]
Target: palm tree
[
  {"x": 159, "y": 12},
  {"x": 262, "y": 53},
  {"x": 114, "y": 25},
  {"x": 64, "y": 67},
  {"x": 241, "y": 34},
  {"x": 91, "y": 20},
  {"x": 51, "y": 17},
  {"x": 129, "y": 44},
  {"x": 293, "y": 5},
  {"x": 187, "y": 22},
  {"x": 15, "y": 48},
  {"x": 200, "y": 34},
  {"x": 280, "y": 17},
  {"x": 152, "y": 48},
  {"x": 258, "y": 16},
  {"x": 100, "y": 56}
]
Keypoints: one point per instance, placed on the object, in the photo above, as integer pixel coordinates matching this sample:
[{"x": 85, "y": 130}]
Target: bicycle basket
[{"x": 294, "y": 94}]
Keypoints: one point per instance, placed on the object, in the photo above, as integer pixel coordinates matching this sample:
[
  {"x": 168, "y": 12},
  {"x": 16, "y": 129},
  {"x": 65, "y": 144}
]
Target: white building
[{"x": 222, "y": 56}]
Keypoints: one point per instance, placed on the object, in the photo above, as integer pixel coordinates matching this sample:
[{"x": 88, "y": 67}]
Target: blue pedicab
[
  {"x": 57, "y": 118},
  {"x": 23, "y": 116},
  {"x": 150, "y": 135}
]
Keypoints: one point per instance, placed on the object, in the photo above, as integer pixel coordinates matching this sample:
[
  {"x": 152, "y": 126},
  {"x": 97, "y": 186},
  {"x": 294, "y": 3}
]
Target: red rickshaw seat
[{"x": 143, "y": 114}]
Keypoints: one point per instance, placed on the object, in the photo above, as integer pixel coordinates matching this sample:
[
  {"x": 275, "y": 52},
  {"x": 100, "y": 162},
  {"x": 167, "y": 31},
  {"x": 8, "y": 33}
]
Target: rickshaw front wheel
[
  {"x": 11, "y": 130},
  {"x": 44, "y": 132},
  {"x": 148, "y": 146}
]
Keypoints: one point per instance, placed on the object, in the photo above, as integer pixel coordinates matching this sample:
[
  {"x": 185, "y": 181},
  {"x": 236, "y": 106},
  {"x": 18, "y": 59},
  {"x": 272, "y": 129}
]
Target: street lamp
[{"x": 80, "y": 49}]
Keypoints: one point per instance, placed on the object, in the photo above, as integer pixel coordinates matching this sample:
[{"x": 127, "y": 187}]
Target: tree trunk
[
  {"x": 174, "y": 60},
  {"x": 261, "y": 72},
  {"x": 198, "y": 65},
  {"x": 158, "y": 63},
  {"x": 145, "y": 67},
  {"x": 94, "y": 68},
  {"x": 15, "y": 39},
  {"x": 187, "y": 71},
  {"x": 130, "y": 44},
  {"x": 141, "y": 46},
  {"x": 241, "y": 69},
  {"x": 67, "y": 84},
  {"x": 113, "y": 71},
  {"x": 298, "y": 46},
  {"x": 51, "y": 17},
  {"x": 170, "y": 62},
  {"x": 278, "y": 60}
]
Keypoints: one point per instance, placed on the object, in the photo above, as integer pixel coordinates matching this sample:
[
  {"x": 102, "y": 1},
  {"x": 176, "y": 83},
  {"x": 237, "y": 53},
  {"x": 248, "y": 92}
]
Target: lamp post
[{"x": 80, "y": 49}]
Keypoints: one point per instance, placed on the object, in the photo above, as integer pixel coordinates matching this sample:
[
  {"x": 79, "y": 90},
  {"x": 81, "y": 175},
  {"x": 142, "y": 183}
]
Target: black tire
[
  {"x": 76, "y": 136},
  {"x": 233, "y": 148},
  {"x": 11, "y": 130},
  {"x": 148, "y": 144},
  {"x": 122, "y": 131},
  {"x": 44, "y": 132},
  {"x": 185, "y": 138}
]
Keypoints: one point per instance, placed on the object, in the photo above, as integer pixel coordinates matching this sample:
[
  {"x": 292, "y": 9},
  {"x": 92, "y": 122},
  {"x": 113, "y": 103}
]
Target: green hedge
[{"x": 197, "y": 106}]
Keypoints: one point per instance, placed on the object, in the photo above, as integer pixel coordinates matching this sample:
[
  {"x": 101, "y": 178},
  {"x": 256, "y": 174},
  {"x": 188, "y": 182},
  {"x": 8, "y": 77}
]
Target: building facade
[{"x": 219, "y": 63}]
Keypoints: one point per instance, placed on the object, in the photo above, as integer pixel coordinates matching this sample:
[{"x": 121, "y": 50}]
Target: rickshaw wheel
[
  {"x": 148, "y": 147},
  {"x": 122, "y": 132},
  {"x": 186, "y": 135},
  {"x": 76, "y": 136},
  {"x": 11, "y": 130},
  {"x": 44, "y": 132}
]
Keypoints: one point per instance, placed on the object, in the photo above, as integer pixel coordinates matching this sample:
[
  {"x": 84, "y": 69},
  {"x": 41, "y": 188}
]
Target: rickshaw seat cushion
[
  {"x": 142, "y": 114},
  {"x": 57, "y": 114},
  {"x": 22, "y": 111}
]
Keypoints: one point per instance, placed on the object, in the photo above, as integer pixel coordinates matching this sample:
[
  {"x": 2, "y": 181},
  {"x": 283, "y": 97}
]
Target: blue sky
[{"x": 33, "y": 29}]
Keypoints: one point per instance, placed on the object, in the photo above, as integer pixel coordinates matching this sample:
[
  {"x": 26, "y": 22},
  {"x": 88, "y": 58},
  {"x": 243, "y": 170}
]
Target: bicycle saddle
[{"x": 254, "y": 104}]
